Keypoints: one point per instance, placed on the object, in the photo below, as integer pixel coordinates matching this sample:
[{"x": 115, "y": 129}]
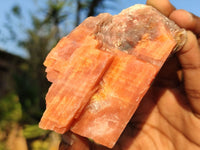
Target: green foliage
[
  {"x": 33, "y": 131},
  {"x": 55, "y": 13},
  {"x": 28, "y": 92},
  {"x": 16, "y": 11},
  {"x": 40, "y": 145},
  {"x": 2, "y": 146},
  {"x": 10, "y": 111}
]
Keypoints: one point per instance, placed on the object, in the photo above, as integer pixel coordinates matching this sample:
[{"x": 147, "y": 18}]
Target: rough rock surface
[{"x": 102, "y": 69}]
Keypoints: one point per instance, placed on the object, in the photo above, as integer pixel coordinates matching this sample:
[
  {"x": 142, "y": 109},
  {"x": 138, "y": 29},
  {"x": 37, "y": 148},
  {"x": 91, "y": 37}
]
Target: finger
[
  {"x": 163, "y": 6},
  {"x": 189, "y": 57},
  {"x": 186, "y": 20}
]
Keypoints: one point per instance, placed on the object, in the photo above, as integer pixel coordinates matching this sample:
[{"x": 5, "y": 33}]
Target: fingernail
[
  {"x": 181, "y": 38},
  {"x": 189, "y": 16}
]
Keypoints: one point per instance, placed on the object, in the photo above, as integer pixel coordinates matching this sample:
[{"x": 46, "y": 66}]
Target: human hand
[{"x": 168, "y": 117}]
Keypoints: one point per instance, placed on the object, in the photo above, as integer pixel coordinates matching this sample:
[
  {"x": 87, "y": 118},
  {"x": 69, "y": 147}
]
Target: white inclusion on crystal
[
  {"x": 125, "y": 51},
  {"x": 103, "y": 124},
  {"x": 136, "y": 22},
  {"x": 113, "y": 94},
  {"x": 94, "y": 107},
  {"x": 106, "y": 28},
  {"x": 123, "y": 27},
  {"x": 137, "y": 99},
  {"x": 118, "y": 43}
]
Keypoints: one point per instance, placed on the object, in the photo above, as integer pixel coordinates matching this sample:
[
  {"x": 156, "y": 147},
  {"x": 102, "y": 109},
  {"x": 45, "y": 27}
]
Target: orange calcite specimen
[{"x": 101, "y": 71}]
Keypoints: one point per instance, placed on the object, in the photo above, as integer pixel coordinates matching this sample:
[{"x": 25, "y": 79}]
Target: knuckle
[
  {"x": 193, "y": 93},
  {"x": 190, "y": 66}
]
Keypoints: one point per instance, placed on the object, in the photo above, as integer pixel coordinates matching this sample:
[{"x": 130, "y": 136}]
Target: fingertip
[
  {"x": 183, "y": 18},
  {"x": 191, "y": 44},
  {"x": 164, "y": 6},
  {"x": 190, "y": 53}
]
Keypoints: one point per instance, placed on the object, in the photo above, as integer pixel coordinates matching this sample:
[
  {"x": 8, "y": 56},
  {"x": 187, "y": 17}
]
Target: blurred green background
[{"x": 23, "y": 84}]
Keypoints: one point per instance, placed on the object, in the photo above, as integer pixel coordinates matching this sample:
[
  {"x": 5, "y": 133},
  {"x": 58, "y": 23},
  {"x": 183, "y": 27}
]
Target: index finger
[
  {"x": 186, "y": 20},
  {"x": 164, "y": 6}
]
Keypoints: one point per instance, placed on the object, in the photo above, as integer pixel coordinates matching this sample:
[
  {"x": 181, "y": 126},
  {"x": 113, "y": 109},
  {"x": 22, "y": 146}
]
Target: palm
[{"x": 163, "y": 123}]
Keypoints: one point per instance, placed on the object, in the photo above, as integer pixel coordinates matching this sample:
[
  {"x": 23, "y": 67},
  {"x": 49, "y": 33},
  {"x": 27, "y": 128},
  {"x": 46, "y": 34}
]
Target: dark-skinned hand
[{"x": 168, "y": 117}]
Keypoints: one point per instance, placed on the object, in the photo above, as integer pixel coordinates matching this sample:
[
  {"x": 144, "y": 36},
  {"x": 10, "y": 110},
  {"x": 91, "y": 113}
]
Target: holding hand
[{"x": 168, "y": 117}]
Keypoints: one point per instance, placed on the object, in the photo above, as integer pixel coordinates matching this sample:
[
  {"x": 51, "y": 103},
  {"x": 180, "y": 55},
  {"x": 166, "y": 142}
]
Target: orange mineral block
[
  {"x": 129, "y": 76},
  {"x": 102, "y": 70},
  {"x": 112, "y": 106},
  {"x": 59, "y": 55},
  {"x": 73, "y": 88}
]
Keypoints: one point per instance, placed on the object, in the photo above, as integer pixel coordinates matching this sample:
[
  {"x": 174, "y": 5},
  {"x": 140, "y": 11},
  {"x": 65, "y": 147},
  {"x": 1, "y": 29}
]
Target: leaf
[
  {"x": 33, "y": 131},
  {"x": 16, "y": 10}
]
